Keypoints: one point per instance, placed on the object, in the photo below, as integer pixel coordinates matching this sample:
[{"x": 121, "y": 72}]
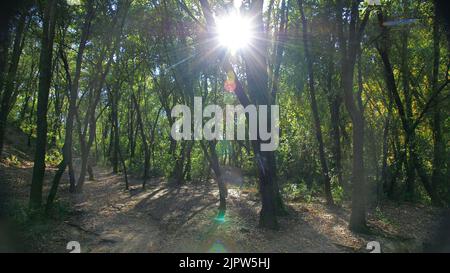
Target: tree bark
[
  {"x": 439, "y": 147},
  {"x": 213, "y": 160},
  {"x": 73, "y": 94},
  {"x": 45, "y": 77},
  {"x": 314, "y": 108},
  {"x": 256, "y": 66},
  {"x": 349, "y": 52}
]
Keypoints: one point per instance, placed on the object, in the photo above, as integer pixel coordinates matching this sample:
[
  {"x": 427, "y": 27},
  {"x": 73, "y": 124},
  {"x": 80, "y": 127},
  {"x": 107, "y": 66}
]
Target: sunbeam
[{"x": 234, "y": 31}]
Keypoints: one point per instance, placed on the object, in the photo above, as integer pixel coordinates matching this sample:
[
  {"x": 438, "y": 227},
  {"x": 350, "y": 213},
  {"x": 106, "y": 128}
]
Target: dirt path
[
  {"x": 178, "y": 219},
  {"x": 161, "y": 218}
]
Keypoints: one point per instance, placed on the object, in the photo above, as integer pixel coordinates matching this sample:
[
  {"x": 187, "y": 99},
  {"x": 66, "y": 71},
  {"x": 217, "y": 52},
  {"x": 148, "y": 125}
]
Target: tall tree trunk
[
  {"x": 439, "y": 147},
  {"x": 115, "y": 122},
  {"x": 314, "y": 108},
  {"x": 145, "y": 143},
  {"x": 334, "y": 101},
  {"x": 73, "y": 94},
  {"x": 45, "y": 77},
  {"x": 256, "y": 66},
  {"x": 124, "y": 166},
  {"x": 257, "y": 78},
  {"x": 384, "y": 165},
  {"x": 409, "y": 141},
  {"x": 349, "y": 52},
  {"x": 188, "y": 167}
]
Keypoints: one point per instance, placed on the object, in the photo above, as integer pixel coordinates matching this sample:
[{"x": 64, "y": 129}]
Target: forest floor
[{"x": 164, "y": 218}]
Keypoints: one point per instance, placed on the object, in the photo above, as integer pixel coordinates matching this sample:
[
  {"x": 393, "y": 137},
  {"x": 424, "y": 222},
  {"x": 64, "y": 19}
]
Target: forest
[{"x": 353, "y": 96}]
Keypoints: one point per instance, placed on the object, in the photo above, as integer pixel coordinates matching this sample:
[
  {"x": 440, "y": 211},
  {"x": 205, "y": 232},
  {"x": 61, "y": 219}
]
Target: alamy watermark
[{"x": 263, "y": 123}]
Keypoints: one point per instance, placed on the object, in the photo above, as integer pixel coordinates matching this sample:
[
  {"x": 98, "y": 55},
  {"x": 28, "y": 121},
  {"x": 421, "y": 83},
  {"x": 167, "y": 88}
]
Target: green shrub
[
  {"x": 296, "y": 191},
  {"x": 338, "y": 194}
]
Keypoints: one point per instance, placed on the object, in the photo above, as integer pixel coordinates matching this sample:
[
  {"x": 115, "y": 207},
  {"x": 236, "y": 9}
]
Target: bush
[
  {"x": 338, "y": 194},
  {"x": 296, "y": 191}
]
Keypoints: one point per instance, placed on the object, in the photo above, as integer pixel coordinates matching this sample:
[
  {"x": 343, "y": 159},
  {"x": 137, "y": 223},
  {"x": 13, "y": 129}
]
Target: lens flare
[
  {"x": 230, "y": 82},
  {"x": 220, "y": 217},
  {"x": 234, "y": 32}
]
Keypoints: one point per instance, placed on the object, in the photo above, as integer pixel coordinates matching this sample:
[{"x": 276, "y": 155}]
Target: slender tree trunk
[
  {"x": 187, "y": 168},
  {"x": 115, "y": 122},
  {"x": 124, "y": 167},
  {"x": 45, "y": 77},
  {"x": 334, "y": 101},
  {"x": 409, "y": 140},
  {"x": 384, "y": 168},
  {"x": 145, "y": 143},
  {"x": 439, "y": 147},
  {"x": 314, "y": 108},
  {"x": 349, "y": 52},
  {"x": 30, "y": 120},
  {"x": 73, "y": 94}
]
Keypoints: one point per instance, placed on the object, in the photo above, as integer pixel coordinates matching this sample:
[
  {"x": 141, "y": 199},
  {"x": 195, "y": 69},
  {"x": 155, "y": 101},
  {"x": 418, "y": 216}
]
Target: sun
[{"x": 234, "y": 32}]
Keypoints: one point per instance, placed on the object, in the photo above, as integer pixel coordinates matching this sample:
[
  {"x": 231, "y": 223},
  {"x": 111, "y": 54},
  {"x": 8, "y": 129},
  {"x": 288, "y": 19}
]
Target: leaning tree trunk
[{"x": 73, "y": 94}]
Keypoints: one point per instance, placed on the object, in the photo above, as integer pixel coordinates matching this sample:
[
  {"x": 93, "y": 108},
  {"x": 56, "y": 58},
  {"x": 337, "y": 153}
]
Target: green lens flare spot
[{"x": 220, "y": 217}]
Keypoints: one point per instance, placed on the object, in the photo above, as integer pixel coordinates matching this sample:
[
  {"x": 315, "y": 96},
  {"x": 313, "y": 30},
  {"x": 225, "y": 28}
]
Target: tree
[
  {"x": 73, "y": 94},
  {"x": 45, "y": 77},
  {"x": 312, "y": 93},
  {"x": 349, "y": 49}
]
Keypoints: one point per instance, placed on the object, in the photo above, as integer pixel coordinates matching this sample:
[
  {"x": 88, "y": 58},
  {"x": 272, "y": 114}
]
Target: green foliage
[
  {"x": 338, "y": 194},
  {"x": 53, "y": 157},
  {"x": 23, "y": 215},
  {"x": 12, "y": 160},
  {"x": 297, "y": 192}
]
